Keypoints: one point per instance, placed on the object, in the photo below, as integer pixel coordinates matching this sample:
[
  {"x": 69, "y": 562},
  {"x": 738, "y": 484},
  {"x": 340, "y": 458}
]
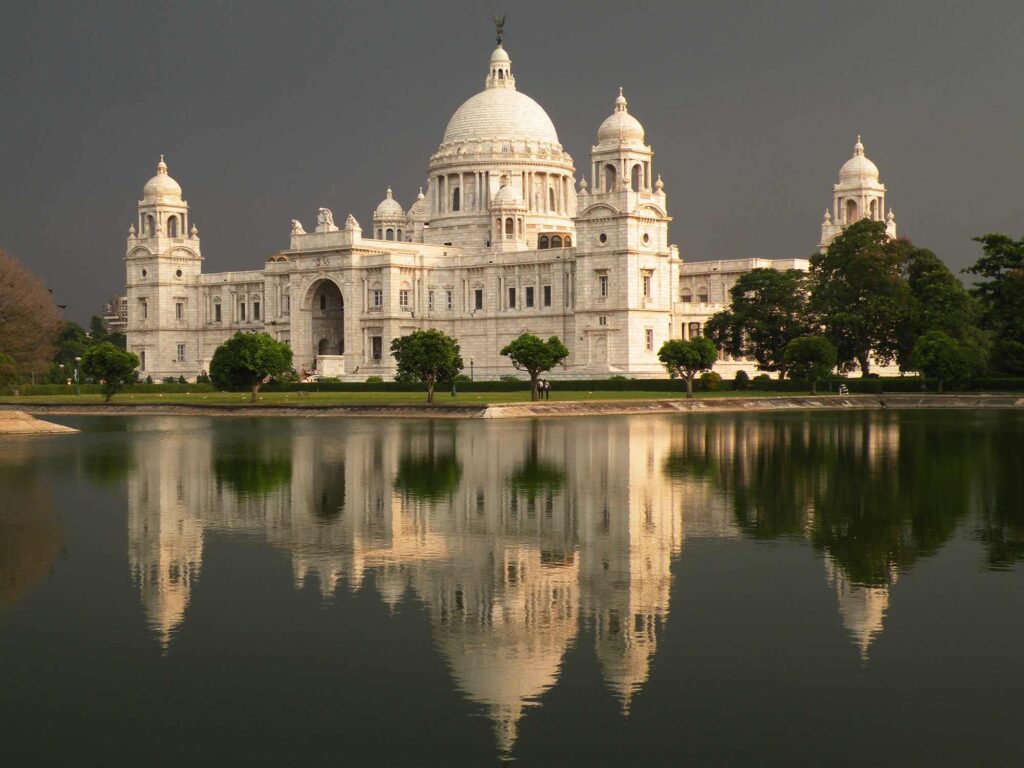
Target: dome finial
[
  {"x": 389, "y": 192},
  {"x": 858, "y": 148},
  {"x": 161, "y": 167},
  {"x": 620, "y": 102}
]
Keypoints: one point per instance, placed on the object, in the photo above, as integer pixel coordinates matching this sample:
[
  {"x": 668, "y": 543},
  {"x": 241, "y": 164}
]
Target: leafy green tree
[
  {"x": 98, "y": 332},
  {"x": 429, "y": 356},
  {"x": 113, "y": 367},
  {"x": 859, "y": 296},
  {"x": 685, "y": 359},
  {"x": 8, "y": 371},
  {"x": 246, "y": 360},
  {"x": 529, "y": 353},
  {"x": 768, "y": 309},
  {"x": 810, "y": 358},
  {"x": 1000, "y": 291},
  {"x": 939, "y": 356}
]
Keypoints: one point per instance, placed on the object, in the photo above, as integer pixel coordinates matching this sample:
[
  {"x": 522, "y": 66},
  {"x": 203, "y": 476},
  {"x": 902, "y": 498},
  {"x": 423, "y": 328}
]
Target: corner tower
[
  {"x": 163, "y": 264},
  {"x": 858, "y": 195}
]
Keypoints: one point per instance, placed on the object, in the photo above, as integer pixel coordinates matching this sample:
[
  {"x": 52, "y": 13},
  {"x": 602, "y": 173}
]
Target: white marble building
[{"x": 503, "y": 241}]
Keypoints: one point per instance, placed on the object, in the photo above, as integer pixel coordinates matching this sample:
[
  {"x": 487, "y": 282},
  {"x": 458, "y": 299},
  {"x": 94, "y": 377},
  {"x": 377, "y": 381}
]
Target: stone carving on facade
[{"x": 297, "y": 227}]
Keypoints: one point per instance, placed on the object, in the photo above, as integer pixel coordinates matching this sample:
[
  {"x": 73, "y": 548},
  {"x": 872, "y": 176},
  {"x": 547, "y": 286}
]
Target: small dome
[
  {"x": 419, "y": 208},
  {"x": 389, "y": 208},
  {"x": 500, "y": 56},
  {"x": 620, "y": 126},
  {"x": 161, "y": 186},
  {"x": 507, "y": 197},
  {"x": 858, "y": 168}
]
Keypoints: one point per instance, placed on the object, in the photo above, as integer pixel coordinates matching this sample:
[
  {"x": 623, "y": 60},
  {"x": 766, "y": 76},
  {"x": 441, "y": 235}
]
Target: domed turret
[
  {"x": 389, "y": 219},
  {"x": 620, "y": 127},
  {"x": 161, "y": 187},
  {"x": 858, "y": 167}
]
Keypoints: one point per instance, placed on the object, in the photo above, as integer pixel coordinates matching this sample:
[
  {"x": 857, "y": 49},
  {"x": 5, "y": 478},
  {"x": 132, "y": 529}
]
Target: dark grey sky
[{"x": 268, "y": 110}]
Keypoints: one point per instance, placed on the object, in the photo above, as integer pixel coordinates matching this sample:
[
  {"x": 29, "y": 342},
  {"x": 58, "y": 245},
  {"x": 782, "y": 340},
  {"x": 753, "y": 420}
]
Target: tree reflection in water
[
  {"x": 428, "y": 472},
  {"x": 254, "y": 457}
]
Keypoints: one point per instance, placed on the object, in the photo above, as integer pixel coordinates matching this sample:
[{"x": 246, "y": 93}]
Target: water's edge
[{"x": 540, "y": 409}]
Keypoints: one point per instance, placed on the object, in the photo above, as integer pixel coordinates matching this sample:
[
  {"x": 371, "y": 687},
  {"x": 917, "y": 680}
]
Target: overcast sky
[{"x": 268, "y": 110}]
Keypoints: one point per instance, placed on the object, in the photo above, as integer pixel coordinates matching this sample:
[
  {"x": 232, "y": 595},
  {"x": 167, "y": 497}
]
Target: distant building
[
  {"x": 115, "y": 315},
  {"x": 504, "y": 240}
]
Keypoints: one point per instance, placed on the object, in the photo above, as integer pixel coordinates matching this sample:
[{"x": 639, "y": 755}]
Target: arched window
[
  {"x": 636, "y": 176},
  {"x": 323, "y": 302},
  {"x": 151, "y": 225},
  {"x": 694, "y": 330},
  {"x": 551, "y": 199},
  {"x": 510, "y": 226},
  {"x": 542, "y": 244},
  {"x": 399, "y": 235},
  {"x": 609, "y": 178},
  {"x": 851, "y": 211},
  {"x": 172, "y": 226},
  {"x": 389, "y": 234},
  {"x": 874, "y": 210},
  {"x": 556, "y": 241},
  {"x": 568, "y": 242},
  {"x": 380, "y": 234},
  {"x": 685, "y": 295},
  {"x": 455, "y": 199}
]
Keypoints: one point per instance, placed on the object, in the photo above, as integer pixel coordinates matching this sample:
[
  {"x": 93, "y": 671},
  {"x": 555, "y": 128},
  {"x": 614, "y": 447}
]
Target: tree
[
  {"x": 246, "y": 360},
  {"x": 1000, "y": 290},
  {"x": 939, "y": 356},
  {"x": 8, "y": 371},
  {"x": 859, "y": 296},
  {"x": 768, "y": 309},
  {"x": 28, "y": 316},
  {"x": 528, "y": 353},
  {"x": 685, "y": 359},
  {"x": 429, "y": 356},
  {"x": 98, "y": 332},
  {"x": 810, "y": 358},
  {"x": 113, "y": 367}
]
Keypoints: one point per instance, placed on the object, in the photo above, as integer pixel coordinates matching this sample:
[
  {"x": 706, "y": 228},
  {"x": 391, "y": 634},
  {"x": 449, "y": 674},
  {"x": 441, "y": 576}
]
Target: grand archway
[{"x": 327, "y": 309}]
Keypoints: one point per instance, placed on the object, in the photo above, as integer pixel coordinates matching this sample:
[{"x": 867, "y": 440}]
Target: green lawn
[{"x": 364, "y": 398}]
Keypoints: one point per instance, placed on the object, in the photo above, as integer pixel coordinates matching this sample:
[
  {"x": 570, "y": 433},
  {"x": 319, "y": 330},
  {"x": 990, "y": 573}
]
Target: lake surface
[{"x": 747, "y": 589}]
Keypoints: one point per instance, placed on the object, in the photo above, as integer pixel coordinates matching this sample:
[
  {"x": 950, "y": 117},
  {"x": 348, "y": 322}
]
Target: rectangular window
[
  {"x": 647, "y": 285},
  {"x": 241, "y": 311},
  {"x": 547, "y": 295},
  {"x": 181, "y": 353},
  {"x": 179, "y": 311},
  {"x": 602, "y": 320},
  {"x": 255, "y": 310},
  {"x": 377, "y": 298},
  {"x": 286, "y": 304},
  {"x": 142, "y": 360},
  {"x": 649, "y": 339},
  {"x": 376, "y": 347},
  {"x": 511, "y": 298},
  {"x": 529, "y": 296},
  {"x": 430, "y": 300},
  {"x": 145, "y": 310},
  {"x": 602, "y": 285},
  {"x": 403, "y": 298},
  {"x": 216, "y": 313},
  {"x": 448, "y": 300},
  {"x": 478, "y": 298}
]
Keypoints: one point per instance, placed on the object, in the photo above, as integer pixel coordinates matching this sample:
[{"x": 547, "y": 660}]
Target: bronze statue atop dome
[{"x": 499, "y": 26}]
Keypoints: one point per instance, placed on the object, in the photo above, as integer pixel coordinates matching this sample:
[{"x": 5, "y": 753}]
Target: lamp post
[
  {"x": 62, "y": 379},
  {"x": 78, "y": 391},
  {"x": 471, "y": 376}
]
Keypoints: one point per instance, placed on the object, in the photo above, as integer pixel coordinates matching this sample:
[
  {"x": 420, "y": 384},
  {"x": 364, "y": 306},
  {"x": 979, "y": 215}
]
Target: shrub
[
  {"x": 710, "y": 381},
  {"x": 762, "y": 381},
  {"x": 508, "y": 378},
  {"x": 742, "y": 381},
  {"x": 463, "y": 379},
  {"x": 618, "y": 377},
  {"x": 149, "y": 379},
  {"x": 374, "y": 379}
]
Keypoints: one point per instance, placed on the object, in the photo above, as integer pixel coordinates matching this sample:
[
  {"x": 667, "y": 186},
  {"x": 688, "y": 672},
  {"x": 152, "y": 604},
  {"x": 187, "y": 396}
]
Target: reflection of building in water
[
  {"x": 506, "y": 532},
  {"x": 861, "y": 608}
]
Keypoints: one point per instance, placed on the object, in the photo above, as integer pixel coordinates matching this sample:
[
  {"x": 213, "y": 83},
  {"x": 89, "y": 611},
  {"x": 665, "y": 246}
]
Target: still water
[{"x": 749, "y": 590}]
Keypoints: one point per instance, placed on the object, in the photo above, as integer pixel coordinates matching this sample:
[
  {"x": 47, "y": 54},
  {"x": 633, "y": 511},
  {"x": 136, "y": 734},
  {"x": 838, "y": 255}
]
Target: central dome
[{"x": 500, "y": 112}]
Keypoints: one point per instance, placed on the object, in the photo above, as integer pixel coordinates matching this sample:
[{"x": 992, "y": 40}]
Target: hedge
[{"x": 94, "y": 389}]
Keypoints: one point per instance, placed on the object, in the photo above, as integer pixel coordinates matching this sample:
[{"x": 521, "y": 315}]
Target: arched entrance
[{"x": 327, "y": 326}]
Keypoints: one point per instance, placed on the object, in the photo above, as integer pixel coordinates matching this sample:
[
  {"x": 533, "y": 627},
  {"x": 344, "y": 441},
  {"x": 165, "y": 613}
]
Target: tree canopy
[
  {"x": 429, "y": 356},
  {"x": 529, "y": 353},
  {"x": 28, "y": 316},
  {"x": 768, "y": 309},
  {"x": 810, "y": 358},
  {"x": 113, "y": 367},
  {"x": 685, "y": 359},
  {"x": 859, "y": 296},
  {"x": 246, "y": 360},
  {"x": 1000, "y": 292},
  {"x": 940, "y": 356}
]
